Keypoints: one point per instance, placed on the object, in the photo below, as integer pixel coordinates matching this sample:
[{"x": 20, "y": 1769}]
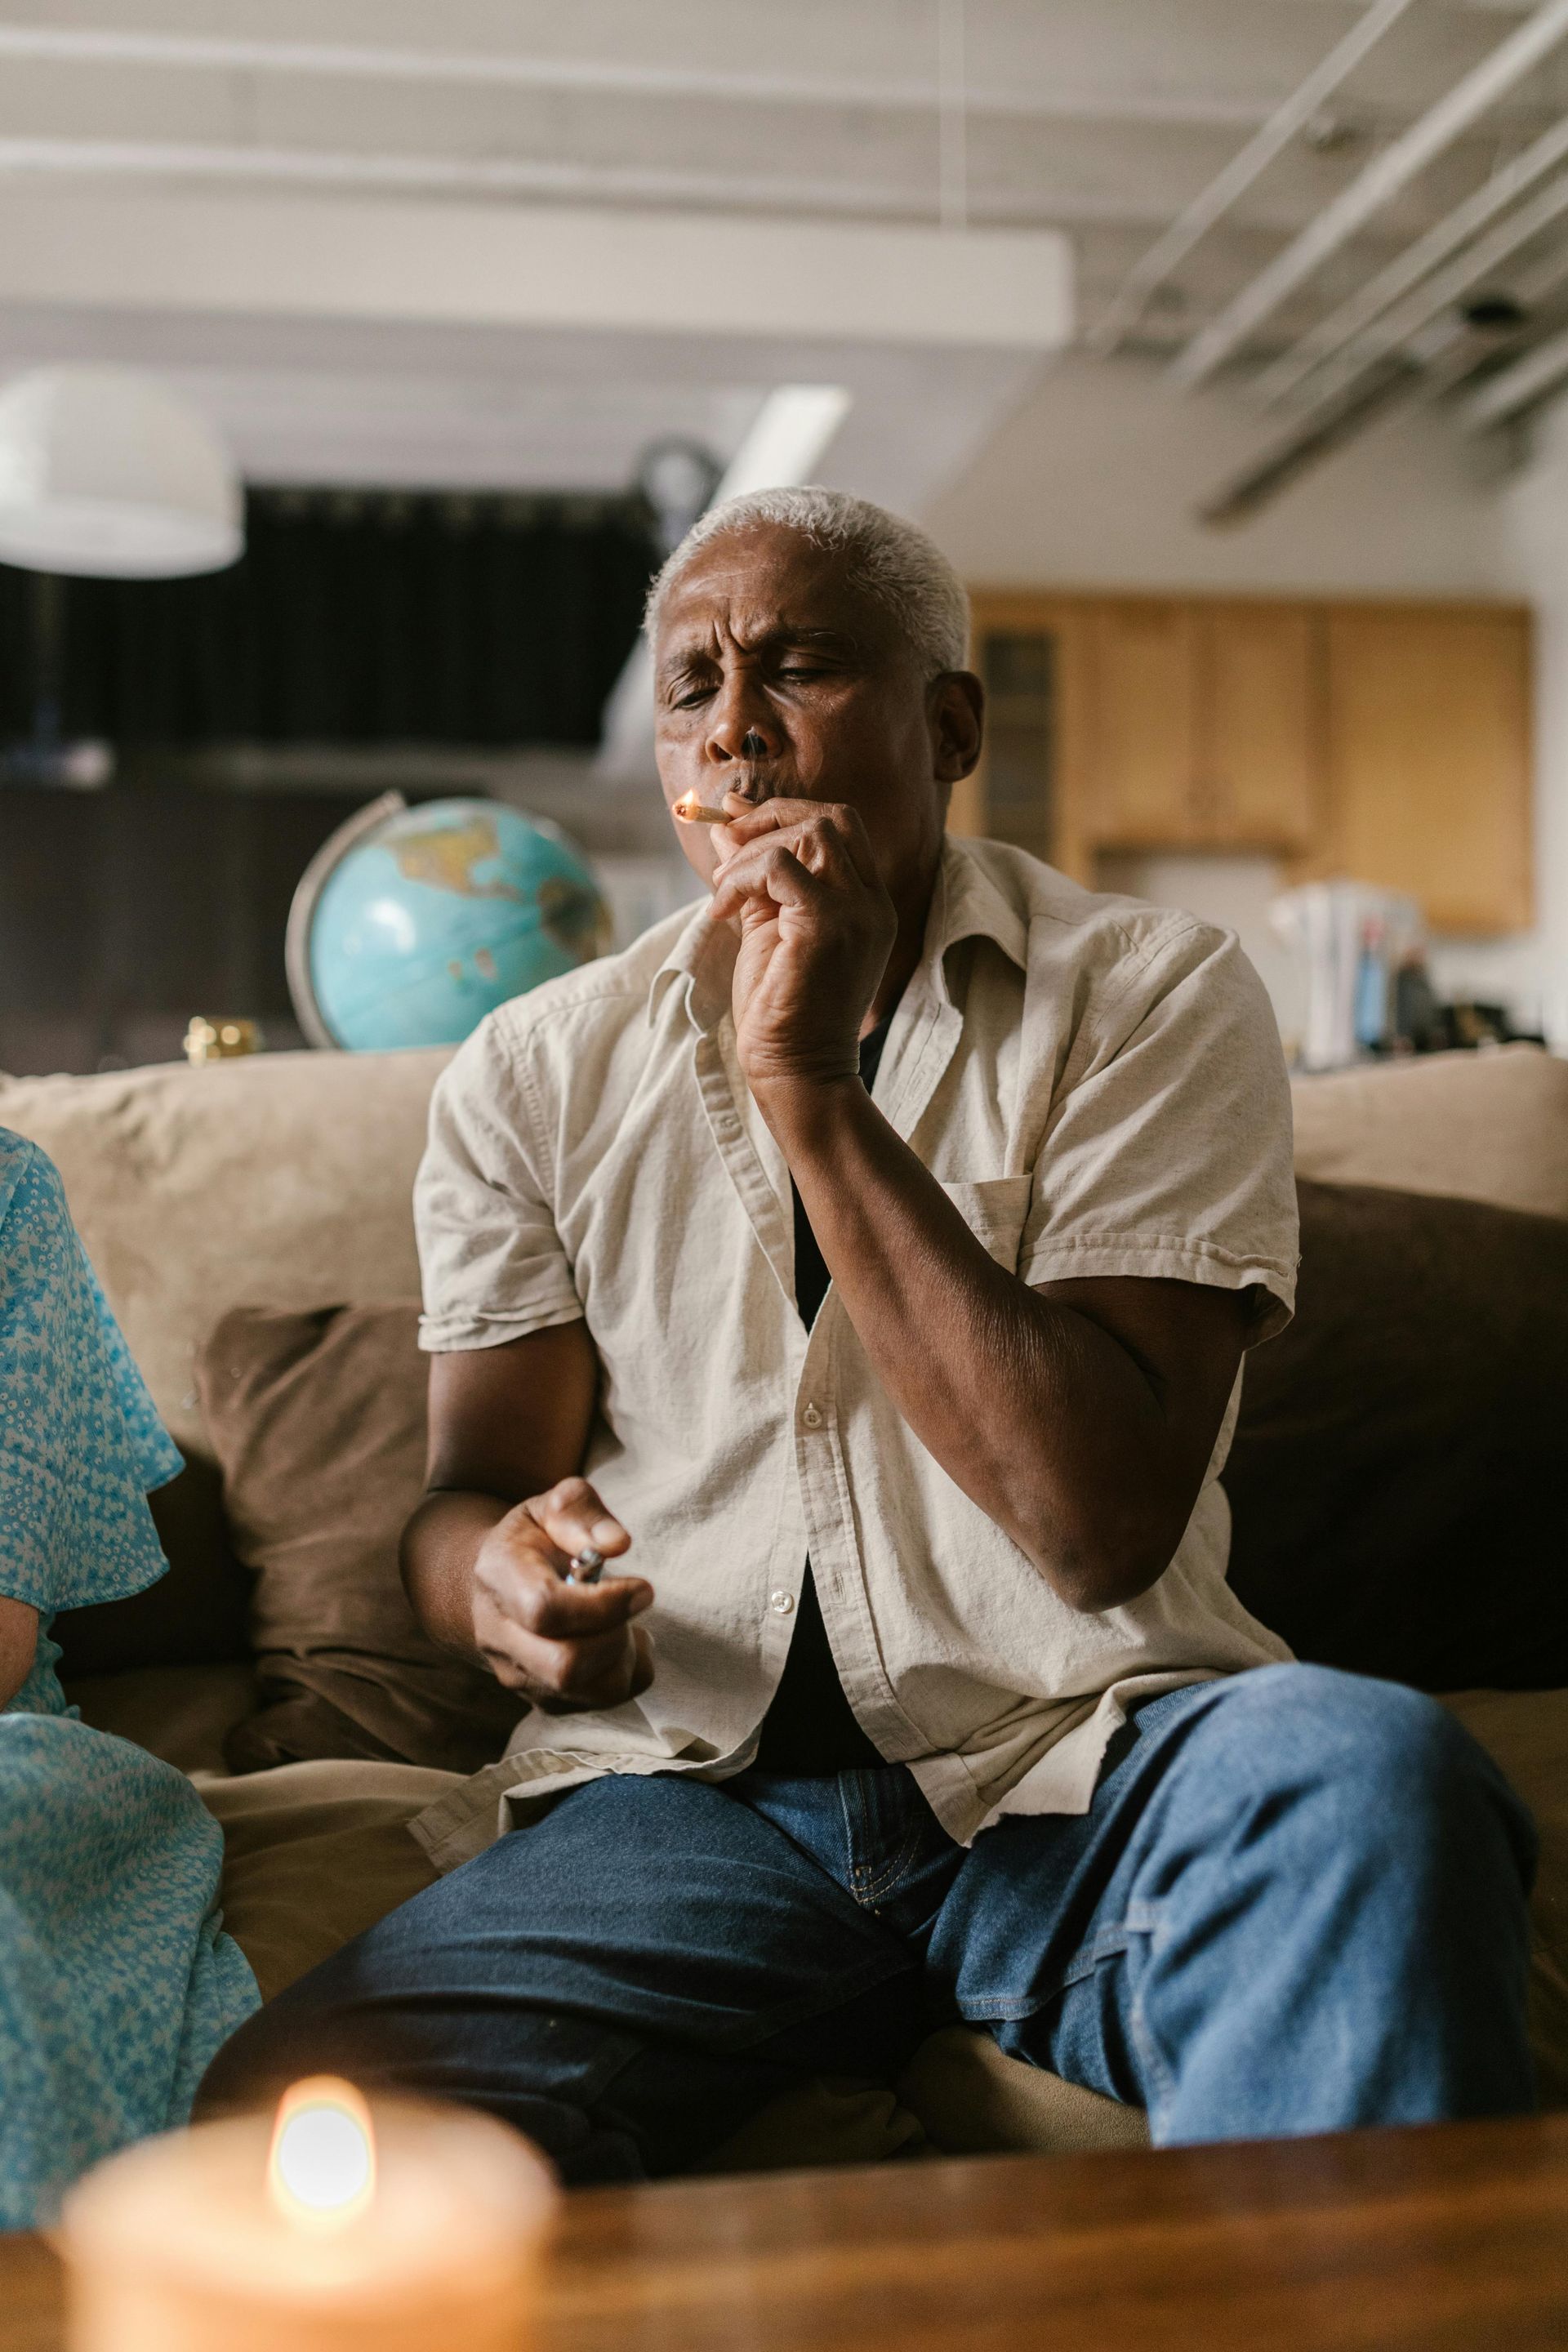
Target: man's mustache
[{"x": 758, "y": 779}]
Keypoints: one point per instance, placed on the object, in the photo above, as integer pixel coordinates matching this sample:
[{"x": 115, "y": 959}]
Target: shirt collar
[{"x": 965, "y": 903}]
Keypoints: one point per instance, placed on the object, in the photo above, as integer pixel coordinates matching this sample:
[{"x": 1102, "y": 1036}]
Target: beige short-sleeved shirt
[{"x": 1097, "y": 1083}]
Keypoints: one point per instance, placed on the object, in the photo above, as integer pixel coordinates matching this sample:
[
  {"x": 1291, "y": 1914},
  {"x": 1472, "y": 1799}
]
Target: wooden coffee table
[{"x": 1453, "y": 2240}]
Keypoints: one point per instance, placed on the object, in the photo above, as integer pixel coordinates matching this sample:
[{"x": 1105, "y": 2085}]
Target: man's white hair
[{"x": 889, "y": 560}]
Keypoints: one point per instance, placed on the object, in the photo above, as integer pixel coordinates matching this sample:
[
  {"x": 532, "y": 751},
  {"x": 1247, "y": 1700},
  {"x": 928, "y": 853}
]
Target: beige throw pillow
[{"x": 318, "y": 1422}]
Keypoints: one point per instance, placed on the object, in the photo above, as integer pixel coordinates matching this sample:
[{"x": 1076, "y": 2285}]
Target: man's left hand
[{"x": 797, "y": 880}]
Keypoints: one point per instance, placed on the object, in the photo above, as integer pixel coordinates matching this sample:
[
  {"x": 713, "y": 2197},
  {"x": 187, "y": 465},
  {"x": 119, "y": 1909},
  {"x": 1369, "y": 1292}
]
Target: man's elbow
[{"x": 1106, "y": 1568}]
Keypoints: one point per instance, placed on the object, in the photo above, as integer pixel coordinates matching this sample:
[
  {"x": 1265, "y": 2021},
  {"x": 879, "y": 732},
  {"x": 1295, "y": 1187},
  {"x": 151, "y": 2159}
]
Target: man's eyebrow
[
  {"x": 831, "y": 640},
  {"x": 696, "y": 652}
]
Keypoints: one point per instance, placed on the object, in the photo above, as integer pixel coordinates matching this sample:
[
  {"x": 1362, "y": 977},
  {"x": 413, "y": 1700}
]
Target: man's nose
[{"x": 741, "y": 735}]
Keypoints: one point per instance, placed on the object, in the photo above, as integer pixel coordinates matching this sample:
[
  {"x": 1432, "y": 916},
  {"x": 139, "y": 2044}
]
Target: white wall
[
  {"x": 1530, "y": 972},
  {"x": 1096, "y": 480}
]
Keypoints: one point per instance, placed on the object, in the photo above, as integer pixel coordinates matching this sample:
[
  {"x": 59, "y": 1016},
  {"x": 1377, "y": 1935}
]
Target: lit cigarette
[{"x": 691, "y": 810}]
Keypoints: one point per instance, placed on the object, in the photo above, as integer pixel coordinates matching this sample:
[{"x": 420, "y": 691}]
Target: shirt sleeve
[
  {"x": 81, "y": 1442},
  {"x": 1167, "y": 1149},
  {"x": 491, "y": 1261}
]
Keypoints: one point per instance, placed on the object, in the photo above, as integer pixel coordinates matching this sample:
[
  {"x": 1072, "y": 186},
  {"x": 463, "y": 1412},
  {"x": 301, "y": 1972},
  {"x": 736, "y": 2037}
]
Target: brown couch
[{"x": 284, "y": 1182}]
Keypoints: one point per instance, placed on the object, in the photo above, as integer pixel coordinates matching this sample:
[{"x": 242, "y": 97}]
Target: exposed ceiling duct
[
  {"x": 1514, "y": 388},
  {"x": 1400, "y": 327},
  {"x": 1342, "y": 326},
  {"x": 1229, "y": 187},
  {"x": 178, "y": 179},
  {"x": 1371, "y": 191},
  {"x": 877, "y": 94}
]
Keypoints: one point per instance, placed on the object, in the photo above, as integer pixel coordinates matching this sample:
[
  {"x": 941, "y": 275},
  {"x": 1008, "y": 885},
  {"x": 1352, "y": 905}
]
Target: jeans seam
[
  {"x": 851, "y": 1868},
  {"x": 1155, "y": 2067},
  {"x": 894, "y": 1870},
  {"x": 1113, "y": 1942}
]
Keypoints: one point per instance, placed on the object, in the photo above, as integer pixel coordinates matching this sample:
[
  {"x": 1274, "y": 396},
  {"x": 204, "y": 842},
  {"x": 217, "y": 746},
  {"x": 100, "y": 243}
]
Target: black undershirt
[{"x": 810, "y": 1727}]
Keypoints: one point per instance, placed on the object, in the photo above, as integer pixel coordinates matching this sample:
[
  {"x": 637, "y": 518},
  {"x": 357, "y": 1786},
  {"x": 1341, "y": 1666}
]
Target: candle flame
[{"x": 321, "y": 2171}]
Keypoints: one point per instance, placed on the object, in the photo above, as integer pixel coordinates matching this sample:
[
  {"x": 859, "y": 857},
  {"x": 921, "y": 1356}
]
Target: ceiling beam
[
  {"x": 647, "y": 272},
  {"x": 1342, "y": 326},
  {"x": 1399, "y": 326},
  {"x": 497, "y": 175},
  {"x": 1228, "y": 187},
  {"x": 912, "y": 199},
  {"x": 1529, "y": 378},
  {"x": 1381, "y": 180},
  {"x": 88, "y": 45},
  {"x": 1426, "y": 370}
]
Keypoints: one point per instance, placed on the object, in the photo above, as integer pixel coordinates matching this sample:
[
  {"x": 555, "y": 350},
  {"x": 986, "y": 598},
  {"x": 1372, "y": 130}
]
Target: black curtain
[{"x": 354, "y": 617}]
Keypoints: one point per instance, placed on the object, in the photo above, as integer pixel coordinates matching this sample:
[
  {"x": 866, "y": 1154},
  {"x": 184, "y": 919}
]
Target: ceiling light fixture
[{"x": 103, "y": 473}]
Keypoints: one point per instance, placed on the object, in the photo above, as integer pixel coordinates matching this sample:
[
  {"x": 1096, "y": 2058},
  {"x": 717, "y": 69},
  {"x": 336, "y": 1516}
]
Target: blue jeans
[{"x": 1296, "y": 1904}]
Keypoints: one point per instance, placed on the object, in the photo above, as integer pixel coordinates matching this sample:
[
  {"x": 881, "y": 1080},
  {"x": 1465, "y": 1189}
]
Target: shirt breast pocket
[{"x": 995, "y": 1210}]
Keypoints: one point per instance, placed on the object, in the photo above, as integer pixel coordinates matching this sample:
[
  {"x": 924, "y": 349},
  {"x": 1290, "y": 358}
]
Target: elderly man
[{"x": 860, "y": 1269}]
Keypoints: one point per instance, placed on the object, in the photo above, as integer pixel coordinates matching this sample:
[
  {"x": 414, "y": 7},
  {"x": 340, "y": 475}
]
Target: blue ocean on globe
[{"x": 438, "y": 915}]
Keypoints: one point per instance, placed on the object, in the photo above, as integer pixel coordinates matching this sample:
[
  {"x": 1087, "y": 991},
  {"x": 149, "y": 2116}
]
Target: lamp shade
[{"x": 103, "y": 472}]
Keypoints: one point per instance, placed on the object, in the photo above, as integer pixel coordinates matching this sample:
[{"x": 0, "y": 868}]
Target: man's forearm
[
  {"x": 1044, "y": 1419},
  {"x": 440, "y": 1545}
]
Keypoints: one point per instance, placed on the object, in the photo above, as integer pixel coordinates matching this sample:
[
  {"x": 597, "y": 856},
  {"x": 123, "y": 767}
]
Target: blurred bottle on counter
[
  {"x": 1353, "y": 944},
  {"x": 1372, "y": 993}
]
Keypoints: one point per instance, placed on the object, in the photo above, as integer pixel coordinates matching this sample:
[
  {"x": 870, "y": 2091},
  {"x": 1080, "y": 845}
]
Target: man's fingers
[
  {"x": 553, "y": 1610},
  {"x": 832, "y": 823},
  {"x": 576, "y": 1520},
  {"x": 774, "y": 873},
  {"x": 562, "y": 1675}
]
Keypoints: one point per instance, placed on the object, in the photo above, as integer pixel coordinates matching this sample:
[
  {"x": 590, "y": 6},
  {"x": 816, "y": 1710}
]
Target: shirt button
[
  {"x": 811, "y": 1417},
  {"x": 781, "y": 1604}
]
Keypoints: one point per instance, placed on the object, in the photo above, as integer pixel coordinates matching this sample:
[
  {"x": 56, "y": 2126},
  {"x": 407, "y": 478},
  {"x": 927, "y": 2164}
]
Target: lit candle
[{"x": 335, "y": 2226}]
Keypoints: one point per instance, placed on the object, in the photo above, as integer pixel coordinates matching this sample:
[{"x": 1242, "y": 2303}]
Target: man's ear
[{"x": 956, "y": 704}]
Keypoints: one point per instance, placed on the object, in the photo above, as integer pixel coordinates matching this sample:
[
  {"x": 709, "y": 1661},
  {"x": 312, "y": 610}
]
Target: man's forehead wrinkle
[{"x": 707, "y": 636}]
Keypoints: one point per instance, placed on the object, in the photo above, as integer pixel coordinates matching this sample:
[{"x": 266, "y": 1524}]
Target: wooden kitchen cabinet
[
  {"x": 1034, "y": 655},
  {"x": 1145, "y": 705},
  {"x": 1259, "y": 766},
  {"x": 1386, "y": 743},
  {"x": 1429, "y": 759},
  {"x": 1208, "y": 726}
]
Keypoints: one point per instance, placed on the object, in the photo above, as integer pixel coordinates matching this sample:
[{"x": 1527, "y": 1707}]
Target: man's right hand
[{"x": 565, "y": 1646}]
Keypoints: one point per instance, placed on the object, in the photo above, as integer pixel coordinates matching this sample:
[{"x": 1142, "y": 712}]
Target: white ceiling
[{"x": 1105, "y": 118}]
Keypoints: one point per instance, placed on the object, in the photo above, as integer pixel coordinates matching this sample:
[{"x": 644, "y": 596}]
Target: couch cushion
[
  {"x": 279, "y": 1180},
  {"x": 1527, "y": 1733},
  {"x": 183, "y": 1714},
  {"x": 318, "y": 1419},
  {"x": 1491, "y": 1126},
  {"x": 1399, "y": 1480},
  {"x": 198, "y": 1614},
  {"x": 971, "y": 2099},
  {"x": 315, "y": 1853}
]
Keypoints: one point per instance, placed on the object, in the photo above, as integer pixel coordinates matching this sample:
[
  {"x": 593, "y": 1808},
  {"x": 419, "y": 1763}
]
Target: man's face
[{"x": 775, "y": 678}]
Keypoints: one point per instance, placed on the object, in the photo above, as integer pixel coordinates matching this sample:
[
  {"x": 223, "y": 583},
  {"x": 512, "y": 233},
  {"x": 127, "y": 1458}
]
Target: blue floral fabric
[{"x": 117, "y": 1984}]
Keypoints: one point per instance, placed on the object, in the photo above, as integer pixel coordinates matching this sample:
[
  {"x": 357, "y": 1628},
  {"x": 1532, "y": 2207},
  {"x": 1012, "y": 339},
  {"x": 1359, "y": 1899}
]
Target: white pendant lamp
[{"x": 103, "y": 472}]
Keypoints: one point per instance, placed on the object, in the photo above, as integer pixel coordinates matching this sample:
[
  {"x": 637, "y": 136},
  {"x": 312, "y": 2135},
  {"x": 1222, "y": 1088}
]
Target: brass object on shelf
[{"x": 221, "y": 1040}]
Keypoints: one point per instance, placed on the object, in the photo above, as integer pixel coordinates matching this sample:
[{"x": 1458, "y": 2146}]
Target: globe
[{"x": 410, "y": 925}]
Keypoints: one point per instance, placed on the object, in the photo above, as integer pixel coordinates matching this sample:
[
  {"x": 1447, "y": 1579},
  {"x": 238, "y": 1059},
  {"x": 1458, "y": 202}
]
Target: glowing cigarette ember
[{"x": 691, "y": 810}]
